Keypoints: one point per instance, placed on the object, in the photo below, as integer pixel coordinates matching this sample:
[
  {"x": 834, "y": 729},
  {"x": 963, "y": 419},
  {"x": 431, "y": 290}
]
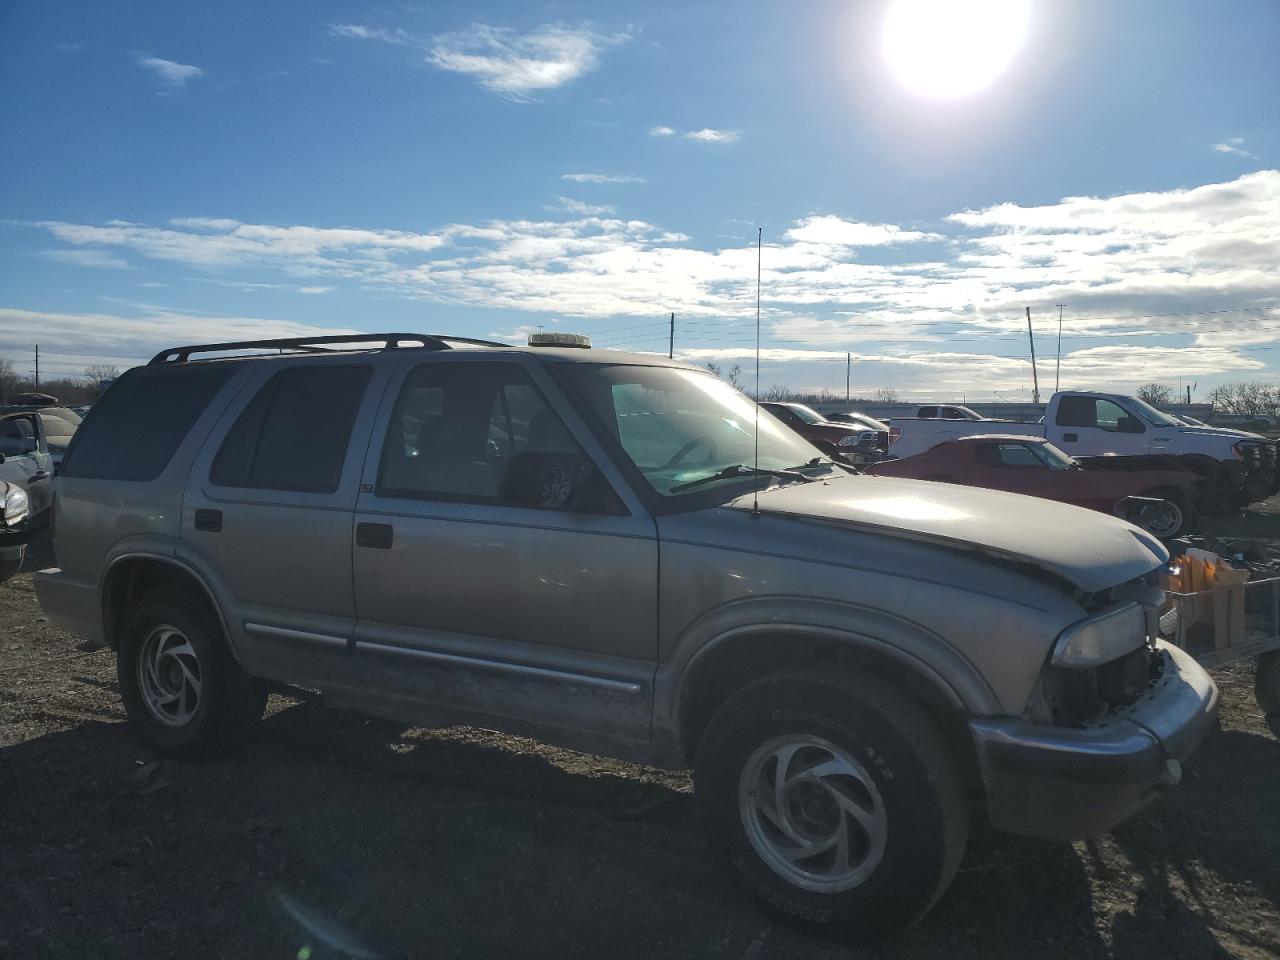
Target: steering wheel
[{"x": 692, "y": 445}]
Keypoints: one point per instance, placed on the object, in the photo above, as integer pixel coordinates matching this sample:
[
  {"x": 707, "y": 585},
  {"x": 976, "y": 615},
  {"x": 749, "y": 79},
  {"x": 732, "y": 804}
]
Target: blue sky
[{"x": 184, "y": 171}]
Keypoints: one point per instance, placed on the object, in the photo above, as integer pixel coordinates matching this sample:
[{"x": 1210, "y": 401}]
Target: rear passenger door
[
  {"x": 268, "y": 514},
  {"x": 473, "y": 596}
]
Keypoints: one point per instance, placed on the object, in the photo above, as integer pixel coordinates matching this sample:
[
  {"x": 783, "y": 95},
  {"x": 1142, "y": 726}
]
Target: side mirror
[{"x": 546, "y": 480}]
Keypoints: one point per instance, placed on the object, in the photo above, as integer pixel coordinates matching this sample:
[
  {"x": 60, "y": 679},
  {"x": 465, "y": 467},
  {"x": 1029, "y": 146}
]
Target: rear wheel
[
  {"x": 833, "y": 799},
  {"x": 1175, "y": 518},
  {"x": 182, "y": 689}
]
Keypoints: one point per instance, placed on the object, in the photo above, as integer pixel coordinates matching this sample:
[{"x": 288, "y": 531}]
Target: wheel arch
[
  {"x": 923, "y": 665},
  {"x": 133, "y": 574}
]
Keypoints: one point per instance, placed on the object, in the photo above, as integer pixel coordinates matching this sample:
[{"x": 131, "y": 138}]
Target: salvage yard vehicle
[
  {"x": 1160, "y": 501},
  {"x": 852, "y": 442},
  {"x": 439, "y": 531},
  {"x": 1238, "y": 469},
  {"x": 14, "y": 532},
  {"x": 947, "y": 412},
  {"x": 26, "y": 460}
]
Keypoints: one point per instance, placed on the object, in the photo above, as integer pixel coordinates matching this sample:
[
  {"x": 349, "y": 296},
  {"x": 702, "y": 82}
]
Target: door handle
[
  {"x": 210, "y": 520},
  {"x": 378, "y": 536},
  {"x": 1070, "y": 437},
  {"x": 38, "y": 476}
]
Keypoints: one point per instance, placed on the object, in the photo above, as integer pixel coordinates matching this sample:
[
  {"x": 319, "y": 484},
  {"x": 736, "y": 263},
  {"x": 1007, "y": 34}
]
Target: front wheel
[
  {"x": 834, "y": 799},
  {"x": 1172, "y": 519},
  {"x": 184, "y": 692}
]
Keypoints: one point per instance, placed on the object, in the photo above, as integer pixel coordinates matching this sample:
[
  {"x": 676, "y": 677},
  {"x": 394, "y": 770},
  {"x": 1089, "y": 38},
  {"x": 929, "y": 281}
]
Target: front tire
[
  {"x": 834, "y": 799},
  {"x": 1174, "y": 520},
  {"x": 183, "y": 691}
]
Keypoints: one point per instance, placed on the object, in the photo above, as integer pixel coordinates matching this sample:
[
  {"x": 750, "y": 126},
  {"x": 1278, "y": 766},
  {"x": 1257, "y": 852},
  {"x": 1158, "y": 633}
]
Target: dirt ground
[{"x": 331, "y": 836}]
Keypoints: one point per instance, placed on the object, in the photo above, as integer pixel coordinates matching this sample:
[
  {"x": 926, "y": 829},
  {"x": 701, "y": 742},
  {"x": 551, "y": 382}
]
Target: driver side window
[{"x": 482, "y": 433}]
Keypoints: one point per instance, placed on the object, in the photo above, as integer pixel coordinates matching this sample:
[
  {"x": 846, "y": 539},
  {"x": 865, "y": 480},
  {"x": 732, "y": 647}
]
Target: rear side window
[
  {"x": 294, "y": 434},
  {"x": 138, "y": 424}
]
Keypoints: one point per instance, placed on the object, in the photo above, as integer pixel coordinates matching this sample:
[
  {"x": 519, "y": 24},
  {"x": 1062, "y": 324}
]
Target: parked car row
[{"x": 622, "y": 554}]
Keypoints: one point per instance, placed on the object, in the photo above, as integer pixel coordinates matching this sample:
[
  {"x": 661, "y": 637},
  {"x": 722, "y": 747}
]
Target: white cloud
[
  {"x": 581, "y": 209},
  {"x": 518, "y": 66},
  {"x": 71, "y": 341},
  {"x": 1234, "y": 146},
  {"x": 837, "y": 231},
  {"x": 601, "y": 178},
  {"x": 172, "y": 74},
  {"x": 661, "y": 132},
  {"x": 710, "y": 135},
  {"x": 355, "y": 31},
  {"x": 88, "y": 258},
  {"x": 1139, "y": 272},
  {"x": 316, "y": 290}
]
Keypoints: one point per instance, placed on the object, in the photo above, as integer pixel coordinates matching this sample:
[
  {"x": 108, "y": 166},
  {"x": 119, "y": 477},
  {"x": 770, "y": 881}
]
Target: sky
[{"x": 189, "y": 172}]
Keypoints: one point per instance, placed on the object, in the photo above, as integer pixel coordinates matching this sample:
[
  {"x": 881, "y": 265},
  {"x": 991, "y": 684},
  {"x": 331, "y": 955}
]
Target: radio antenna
[{"x": 755, "y": 499}]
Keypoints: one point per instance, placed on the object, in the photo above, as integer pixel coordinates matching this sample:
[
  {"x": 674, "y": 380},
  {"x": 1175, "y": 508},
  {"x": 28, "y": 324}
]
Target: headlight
[
  {"x": 15, "y": 506},
  {"x": 1102, "y": 638},
  {"x": 849, "y": 440}
]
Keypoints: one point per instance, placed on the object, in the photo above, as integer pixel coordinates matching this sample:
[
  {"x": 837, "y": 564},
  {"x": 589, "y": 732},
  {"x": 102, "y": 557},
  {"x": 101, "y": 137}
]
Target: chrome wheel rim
[
  {"x": 169, "y": 676},
  {"x": 1166, "y": 522},
  {"x": 812, "y": 813}
]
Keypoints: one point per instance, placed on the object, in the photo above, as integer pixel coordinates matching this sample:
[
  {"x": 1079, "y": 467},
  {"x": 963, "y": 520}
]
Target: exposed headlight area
[
  {"x": 16, "y": 506},
  {"x": 1102, "y": 662}
]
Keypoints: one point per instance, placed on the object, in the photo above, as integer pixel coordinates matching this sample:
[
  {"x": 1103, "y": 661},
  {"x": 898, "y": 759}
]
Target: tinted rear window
[
  {"x": 138, "y": 424},
  {"x": 294, "y": 434}
]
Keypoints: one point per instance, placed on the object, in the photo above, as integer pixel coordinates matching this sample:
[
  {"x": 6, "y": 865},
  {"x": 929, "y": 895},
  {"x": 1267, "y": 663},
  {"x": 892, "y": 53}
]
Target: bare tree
[
  {"x": 732, "y": 376},
  {"x": 1155, "y": 394},
  {"x": 8, "y": 379},
  {"x": 1247, "y": 397},
  {"x": 778, "y": 394},
  {"x": 886, "y": 395},
  {"x": 96, "y": 373}
]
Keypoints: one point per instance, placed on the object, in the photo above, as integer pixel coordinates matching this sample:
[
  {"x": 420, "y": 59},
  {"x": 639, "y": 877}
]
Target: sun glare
[{"x": 952, "y": 48}]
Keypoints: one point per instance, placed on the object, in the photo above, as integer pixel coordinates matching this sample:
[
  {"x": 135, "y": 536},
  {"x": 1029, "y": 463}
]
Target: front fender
[{"x": 955, "y": 678}]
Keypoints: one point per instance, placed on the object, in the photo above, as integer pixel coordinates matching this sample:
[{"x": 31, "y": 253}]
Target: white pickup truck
[{"x": 1240, "y": 467}]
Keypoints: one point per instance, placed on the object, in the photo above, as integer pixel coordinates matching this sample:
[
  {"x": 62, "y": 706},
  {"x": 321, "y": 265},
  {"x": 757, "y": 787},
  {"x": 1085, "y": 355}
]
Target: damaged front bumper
[{"x": 1079, "y": 782}]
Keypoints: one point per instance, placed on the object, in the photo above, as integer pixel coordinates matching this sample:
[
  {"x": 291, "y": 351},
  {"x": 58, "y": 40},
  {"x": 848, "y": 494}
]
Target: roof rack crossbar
[{"x": 389, "y": 341}]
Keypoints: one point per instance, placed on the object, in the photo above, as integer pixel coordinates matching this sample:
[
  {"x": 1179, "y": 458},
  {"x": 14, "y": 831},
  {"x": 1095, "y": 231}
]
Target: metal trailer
[{"x": 1222, "y": 624}]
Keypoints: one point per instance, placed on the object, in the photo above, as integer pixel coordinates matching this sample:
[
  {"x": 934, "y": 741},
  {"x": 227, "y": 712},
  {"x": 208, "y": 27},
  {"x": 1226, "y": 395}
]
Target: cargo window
[
  {"x": 134, "y": 430},
  {"x": 295, "y": 432}
]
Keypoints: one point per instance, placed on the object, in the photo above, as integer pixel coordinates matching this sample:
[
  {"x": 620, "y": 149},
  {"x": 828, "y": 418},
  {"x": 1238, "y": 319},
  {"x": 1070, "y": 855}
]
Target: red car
[
  {"x": 1035, "y": 467},
  {"x": 852, "y": 442}
]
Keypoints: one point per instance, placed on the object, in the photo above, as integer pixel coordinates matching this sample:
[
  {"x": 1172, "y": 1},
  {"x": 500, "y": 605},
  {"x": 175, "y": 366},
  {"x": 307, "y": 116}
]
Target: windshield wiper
[{"x": 740, "y": 470}]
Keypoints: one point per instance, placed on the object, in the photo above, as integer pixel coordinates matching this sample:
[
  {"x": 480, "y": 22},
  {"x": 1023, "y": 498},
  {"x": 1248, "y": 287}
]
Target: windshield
[
  {"x": 1052, "y": 457},
  {"x": 678, "y": 426},
  {"x": 806, "y": 414},
  {"x": 1151, "y": 414}
]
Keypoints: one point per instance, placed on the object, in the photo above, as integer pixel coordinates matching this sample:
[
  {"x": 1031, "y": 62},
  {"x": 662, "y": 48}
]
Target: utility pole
[
  {"x": 1058, "y": 370},
  {"x": 671, "y": 341},
  {"x": 37, "y": 366},
  {"x": 1188, "y": 394},
  {"x": 848, "y": 371},
  {"x": 1035, "y": 377}
]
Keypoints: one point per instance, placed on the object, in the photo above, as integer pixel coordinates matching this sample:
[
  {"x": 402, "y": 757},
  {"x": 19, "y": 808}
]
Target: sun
[{"x": 952, "y": 48}]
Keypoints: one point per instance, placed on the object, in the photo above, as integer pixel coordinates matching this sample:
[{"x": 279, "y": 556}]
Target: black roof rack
[{"x": 389, "y": 341}]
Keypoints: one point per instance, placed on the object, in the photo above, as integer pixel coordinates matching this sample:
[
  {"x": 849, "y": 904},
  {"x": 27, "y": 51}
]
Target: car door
[
  {"x": 268, "y": 511},
  {"x": 26, "y": 463},
  {"x": 478, "y": 594},
  {"x": 1094, "y": 426}
]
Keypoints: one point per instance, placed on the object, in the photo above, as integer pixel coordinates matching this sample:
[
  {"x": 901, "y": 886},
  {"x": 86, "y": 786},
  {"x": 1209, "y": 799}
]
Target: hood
[
  {"x": 1224, "y": 432},
  {"x": 837, "y": 429},
  {"x": 1091, "y": 550}
]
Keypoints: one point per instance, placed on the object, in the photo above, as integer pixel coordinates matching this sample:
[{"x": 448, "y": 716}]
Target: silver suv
[{"x": 587, "y": 547}]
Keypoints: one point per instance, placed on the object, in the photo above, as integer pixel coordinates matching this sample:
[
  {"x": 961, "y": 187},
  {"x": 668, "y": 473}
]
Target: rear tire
[
  {"x": 849, "y": 768},
  {"x": 184, "y": 692}
]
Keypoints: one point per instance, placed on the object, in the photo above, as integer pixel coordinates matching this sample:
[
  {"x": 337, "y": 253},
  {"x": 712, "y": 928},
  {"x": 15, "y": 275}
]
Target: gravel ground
[{"x": 331, "y": 836}]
